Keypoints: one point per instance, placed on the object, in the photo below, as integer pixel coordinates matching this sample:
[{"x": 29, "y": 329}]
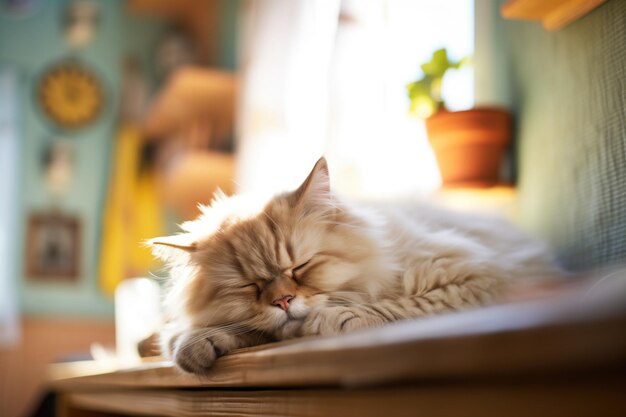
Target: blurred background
[{"x": 118, "y": 117}]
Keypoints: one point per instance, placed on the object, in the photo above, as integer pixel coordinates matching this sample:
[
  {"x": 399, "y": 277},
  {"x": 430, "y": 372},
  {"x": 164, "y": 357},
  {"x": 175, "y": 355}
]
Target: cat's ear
[
  {"x": 170, "y": 247},
  {"x": 316, "y": 187}
]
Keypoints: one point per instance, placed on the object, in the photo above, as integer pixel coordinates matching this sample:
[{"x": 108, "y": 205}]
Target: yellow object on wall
[{"x": 132, "y": 214}]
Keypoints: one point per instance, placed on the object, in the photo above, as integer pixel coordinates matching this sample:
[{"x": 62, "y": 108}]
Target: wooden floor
[
  {"x": 565, "y": 356},
  {"x": 42, "y": 340}
]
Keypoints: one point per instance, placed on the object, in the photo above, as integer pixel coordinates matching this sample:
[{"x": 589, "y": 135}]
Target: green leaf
[
  {"x": 425, "y": 93},
  {"x": 419, "y": 89},
  {"x": 438, "y": 64}
]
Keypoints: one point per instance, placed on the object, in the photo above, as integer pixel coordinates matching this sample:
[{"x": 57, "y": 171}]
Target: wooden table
[{"x": 561, "y": 356}]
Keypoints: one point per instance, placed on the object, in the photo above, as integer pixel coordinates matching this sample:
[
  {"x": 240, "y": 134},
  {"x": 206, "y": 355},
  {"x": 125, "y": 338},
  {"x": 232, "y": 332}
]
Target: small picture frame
[{"x": 53, "y": 247}]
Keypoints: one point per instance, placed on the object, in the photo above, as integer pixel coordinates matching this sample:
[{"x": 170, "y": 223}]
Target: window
[
  {"x": 380, "y": 151},
  {"x": 329, "y": 77}
]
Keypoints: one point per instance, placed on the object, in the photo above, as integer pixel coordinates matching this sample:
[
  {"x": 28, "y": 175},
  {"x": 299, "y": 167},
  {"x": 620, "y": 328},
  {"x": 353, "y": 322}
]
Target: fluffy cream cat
[{"x": 308, "y": 263}]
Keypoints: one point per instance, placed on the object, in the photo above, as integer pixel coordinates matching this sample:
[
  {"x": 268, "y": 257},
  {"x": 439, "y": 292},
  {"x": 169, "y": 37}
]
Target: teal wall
[
  {"x": 29, "y": 45},
  {"x": 227, "y": 32},
  {"x": 568, "y": 91}
]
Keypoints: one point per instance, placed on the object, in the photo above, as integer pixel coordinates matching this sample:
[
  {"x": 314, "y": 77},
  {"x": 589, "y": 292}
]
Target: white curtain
[
  {"x": 9, "y": 157},
  {"x": 286, "y": 49}
]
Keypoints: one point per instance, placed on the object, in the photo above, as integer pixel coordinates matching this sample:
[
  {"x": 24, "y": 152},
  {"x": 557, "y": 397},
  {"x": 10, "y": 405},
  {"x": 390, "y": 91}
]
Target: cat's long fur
[{"x": 308, "y": 263}]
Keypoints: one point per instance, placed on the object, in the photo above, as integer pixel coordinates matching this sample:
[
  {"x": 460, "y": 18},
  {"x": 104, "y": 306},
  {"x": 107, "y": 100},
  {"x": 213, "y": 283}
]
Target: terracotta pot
[{"x": 469, "y": 144}]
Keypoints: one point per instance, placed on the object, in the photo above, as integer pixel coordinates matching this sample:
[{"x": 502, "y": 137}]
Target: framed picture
[{"x": 53, "y": 247}]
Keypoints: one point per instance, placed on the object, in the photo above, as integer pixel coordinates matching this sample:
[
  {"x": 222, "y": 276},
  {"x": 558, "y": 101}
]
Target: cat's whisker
[
  {"x": 270, "y": 219},
  {"x": 157, "y": 277},
  {"x": 346, "y": 225},
  {"x": 209, "y": 332}
]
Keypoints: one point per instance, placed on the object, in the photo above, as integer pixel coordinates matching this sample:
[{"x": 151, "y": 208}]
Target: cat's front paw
[
  {"x": 196, "y": 350},
  {"x": 333, "y": 320}
]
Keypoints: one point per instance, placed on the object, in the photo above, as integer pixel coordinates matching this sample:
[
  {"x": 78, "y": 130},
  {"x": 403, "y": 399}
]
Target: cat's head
[{"x": 263, "y": 267}]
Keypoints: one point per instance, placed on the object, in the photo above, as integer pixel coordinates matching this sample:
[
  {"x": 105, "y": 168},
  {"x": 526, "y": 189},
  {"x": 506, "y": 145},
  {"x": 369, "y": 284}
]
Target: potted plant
[{"x": 469, "y": 144}]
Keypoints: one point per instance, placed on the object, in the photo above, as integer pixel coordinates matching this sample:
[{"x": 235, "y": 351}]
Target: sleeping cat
[{"x": 308, "y": 263}]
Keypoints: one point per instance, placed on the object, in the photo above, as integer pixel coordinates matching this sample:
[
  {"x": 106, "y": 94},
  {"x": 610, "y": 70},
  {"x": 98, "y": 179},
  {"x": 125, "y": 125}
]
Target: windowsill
[{"x": 498, "y": 200}]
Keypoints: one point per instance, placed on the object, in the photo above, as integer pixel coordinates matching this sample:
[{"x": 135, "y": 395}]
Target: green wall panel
[
  {"x": 568, "y": 90},
  {"x": 29, "y": 45}
]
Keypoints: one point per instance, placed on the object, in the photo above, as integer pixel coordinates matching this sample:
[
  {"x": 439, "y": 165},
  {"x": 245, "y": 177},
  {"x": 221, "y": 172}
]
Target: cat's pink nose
[{"x": 283, "y": 302}]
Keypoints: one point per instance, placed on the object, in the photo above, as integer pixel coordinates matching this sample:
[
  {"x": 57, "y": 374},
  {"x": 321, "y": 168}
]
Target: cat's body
[{"x": 308, "y": 263}]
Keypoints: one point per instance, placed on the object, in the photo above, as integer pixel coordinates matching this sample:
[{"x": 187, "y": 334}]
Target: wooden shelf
[
  {"x": 560, "y": 354},
  {"x": 554, "y": 14},
  {"x": 195, "y": 111},
  {"x": 198, "y": 18},
  {"x": 194, "y": 96},
  {"x": 560, "y": 329},
  {"x": 180, "y": 188}
]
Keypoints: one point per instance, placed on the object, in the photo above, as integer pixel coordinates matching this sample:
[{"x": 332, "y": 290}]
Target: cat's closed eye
[
  {"x": 253, "y": 287},
  {"x": 296, "y": 271}
]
